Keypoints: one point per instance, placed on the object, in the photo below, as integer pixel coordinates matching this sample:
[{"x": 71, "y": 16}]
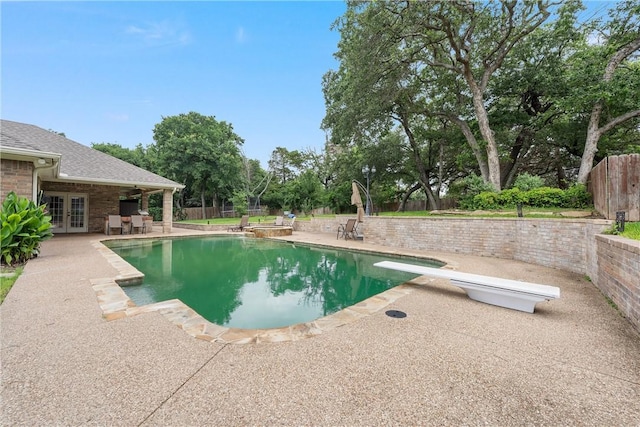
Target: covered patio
[{"x": 80, "y": 186}]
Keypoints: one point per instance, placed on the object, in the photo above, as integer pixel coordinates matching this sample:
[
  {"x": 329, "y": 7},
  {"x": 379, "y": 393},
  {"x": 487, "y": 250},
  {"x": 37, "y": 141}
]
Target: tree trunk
[
  {"x": 403, "y": 202},
  {"x": 518, "y": 150},
  {"x": 473, "y": 143},
  {"x": 203, "y": 202},
  {"x": 493, "y": 158},
  {"x": 433, "y": 204},
  {"x": 422, "y": 171},
  {"x": 560, "y": 175},
  {"x": 594, "y": 131},
  {"x": 591, "y": 144}
]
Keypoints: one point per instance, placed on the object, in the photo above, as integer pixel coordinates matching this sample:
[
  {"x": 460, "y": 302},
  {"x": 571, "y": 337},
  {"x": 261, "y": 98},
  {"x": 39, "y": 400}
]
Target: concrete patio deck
[{"x": 451, "y": 361}]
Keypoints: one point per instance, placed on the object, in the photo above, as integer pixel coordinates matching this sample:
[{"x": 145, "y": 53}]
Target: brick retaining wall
[
  {"x": 567, "y": 244},
  {"x": 611, "y": 262},
  {"x": 619, "y": 274}
]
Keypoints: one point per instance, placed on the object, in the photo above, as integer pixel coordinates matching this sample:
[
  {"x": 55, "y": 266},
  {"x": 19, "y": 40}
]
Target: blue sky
[{"x": 109, "y": 71}]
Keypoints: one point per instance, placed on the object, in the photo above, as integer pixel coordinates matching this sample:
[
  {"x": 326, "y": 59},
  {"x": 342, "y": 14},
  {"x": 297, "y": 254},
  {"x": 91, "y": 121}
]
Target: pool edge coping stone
[{"x": 116, "y": 304}]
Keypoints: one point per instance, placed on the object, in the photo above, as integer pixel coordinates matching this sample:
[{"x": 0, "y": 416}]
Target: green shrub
[
  {"x": 156, "y": 213},
  {"x": 575, "y": 197},
  {"x": 240, "y": 203},
  {"x": 469, "y": 188},
  {"x": 526, "y": 182},
  {"x": 473, "y": 194},
  {"x": 578, "y": 197},
  {"x": 510, "y": 198},
  {"x": 486, "y": 200},
  {"x": 546, "y": 197},
  {"x": 24, "y": 227}
]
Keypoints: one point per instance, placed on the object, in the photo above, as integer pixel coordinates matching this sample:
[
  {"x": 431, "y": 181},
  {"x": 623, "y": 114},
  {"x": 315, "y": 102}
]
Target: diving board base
[
  {"x": 513, "y": 294},
  {"x": 500, "y": 298}
]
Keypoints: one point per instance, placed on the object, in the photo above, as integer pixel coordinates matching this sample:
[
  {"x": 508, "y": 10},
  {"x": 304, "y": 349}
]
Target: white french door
[{"x": 69, "y": 212}]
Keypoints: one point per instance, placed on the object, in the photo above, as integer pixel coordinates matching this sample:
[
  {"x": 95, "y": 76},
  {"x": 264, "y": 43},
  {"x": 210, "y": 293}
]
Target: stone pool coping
[{"x": 115, "y": 304}]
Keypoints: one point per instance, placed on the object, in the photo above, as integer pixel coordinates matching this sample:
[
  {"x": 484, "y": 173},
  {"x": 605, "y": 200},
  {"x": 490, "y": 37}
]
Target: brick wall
[
  {"x": 611, "y": 262},
  {"x": 16, "y": 176},
  {"x": 103, "y": 200},
  {"x": 619, "y": 274},
  {"x": 566, "y": 244}
]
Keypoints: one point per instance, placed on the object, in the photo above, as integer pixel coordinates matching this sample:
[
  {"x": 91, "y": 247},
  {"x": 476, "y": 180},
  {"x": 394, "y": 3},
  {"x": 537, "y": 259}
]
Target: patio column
[
  {"x": 167, "y": 210},
  {"x": 144, "y": 202}
]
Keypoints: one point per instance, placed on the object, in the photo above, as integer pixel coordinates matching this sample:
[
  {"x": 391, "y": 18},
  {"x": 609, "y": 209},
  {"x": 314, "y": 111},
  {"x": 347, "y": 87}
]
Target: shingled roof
[{"x": 79, "y": 163}]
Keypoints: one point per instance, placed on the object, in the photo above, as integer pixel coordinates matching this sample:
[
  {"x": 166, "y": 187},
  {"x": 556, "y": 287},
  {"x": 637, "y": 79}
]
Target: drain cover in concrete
[{"x": 396, "y": 313}]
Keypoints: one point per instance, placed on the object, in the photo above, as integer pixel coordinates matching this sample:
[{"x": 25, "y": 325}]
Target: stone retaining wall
[{"x": 203, "y": 227}]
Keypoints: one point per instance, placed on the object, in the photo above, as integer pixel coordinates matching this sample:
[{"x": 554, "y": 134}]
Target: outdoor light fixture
[
  {"x": 367, "y": 172},
  {"x": 42, "y": 162},
  {"x": 620, "y": 221}
]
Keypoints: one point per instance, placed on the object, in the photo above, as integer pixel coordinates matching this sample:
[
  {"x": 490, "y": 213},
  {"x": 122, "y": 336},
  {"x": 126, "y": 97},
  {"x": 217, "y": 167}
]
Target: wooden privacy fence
[
  {"x": 615, "y": 185},
  {"x": 196, "y": 213},
  {"x": 215, "y": 212}
]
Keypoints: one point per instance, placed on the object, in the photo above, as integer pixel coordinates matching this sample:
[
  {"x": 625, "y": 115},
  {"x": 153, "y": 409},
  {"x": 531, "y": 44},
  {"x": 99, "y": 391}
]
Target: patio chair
[
  {"x": 279, "y": 221},
  {"x": 244, "y": 222},
  {"x": 290, "y": 222},
  {"x": 115, "y": 222},
  {"x": 138, "y": 222},
  {"x": 348, "y": 230}
]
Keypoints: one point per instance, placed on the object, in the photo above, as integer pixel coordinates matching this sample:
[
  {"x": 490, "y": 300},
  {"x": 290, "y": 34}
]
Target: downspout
[{"x": 34, "y": 177}]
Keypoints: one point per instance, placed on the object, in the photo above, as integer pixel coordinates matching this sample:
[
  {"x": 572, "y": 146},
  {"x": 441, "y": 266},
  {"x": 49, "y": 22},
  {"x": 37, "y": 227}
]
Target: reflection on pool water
[{"x": 255, "y": 283}]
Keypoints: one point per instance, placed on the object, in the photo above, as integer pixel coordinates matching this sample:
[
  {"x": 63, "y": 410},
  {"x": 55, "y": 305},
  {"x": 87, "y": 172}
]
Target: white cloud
[
  {"x": 241, "y": 35},
  {"x": 160, "y": 33},
  {"x": 117, "y": 117}
]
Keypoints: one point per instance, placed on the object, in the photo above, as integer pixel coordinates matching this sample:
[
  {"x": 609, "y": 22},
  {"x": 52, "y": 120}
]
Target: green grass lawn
[
  {"x": 267, "y": 219},
  {"x": 7, "y": 279},
  {"x": 631, "y": 230},
  {"x": 502, "y": 213},
  {"x": 232, "y": 221}
]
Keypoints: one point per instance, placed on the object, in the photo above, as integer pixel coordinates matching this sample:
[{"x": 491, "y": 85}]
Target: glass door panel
[
  {"x": 77, "y": 213},
  {"x": 55, "y": 207},
  {"x": 68, "y": 212}
]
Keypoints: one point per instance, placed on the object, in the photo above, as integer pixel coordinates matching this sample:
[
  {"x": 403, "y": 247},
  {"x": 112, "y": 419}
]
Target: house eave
[
  {"x": 147, "y": 186},
  {"x": 24, "y": 154}
]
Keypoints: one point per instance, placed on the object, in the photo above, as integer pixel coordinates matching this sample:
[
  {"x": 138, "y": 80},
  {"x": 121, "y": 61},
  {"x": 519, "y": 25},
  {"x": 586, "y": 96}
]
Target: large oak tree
[
  {"x": 201, "y": 152},
  {"x": 455, "y": 46}
]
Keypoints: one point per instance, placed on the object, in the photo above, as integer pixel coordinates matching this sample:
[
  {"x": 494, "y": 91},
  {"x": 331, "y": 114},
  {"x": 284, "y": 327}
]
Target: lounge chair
[
  {"x": 138, "y": 222},
  {"x": 290, "y": 223},
  {"x": 115, "y": 222},
  {"x": 348, "y": 230},
  {"x": 279, "y": 221},
  {"x": 244, "y": 222}
]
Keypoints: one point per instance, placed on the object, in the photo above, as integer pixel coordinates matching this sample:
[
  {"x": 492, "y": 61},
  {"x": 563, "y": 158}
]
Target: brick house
[{"x": 81, "y": 186}]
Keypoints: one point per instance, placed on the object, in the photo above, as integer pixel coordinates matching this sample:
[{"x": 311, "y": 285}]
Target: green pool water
[{"x": 255, "y": 283}]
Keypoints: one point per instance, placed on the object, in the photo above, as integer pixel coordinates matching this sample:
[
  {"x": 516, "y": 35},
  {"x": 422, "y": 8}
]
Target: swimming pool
[{"x": 255, "y": 283}]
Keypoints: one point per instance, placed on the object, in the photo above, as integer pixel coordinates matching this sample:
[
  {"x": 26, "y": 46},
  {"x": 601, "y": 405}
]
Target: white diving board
[{"x": 507, "y": 293}]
